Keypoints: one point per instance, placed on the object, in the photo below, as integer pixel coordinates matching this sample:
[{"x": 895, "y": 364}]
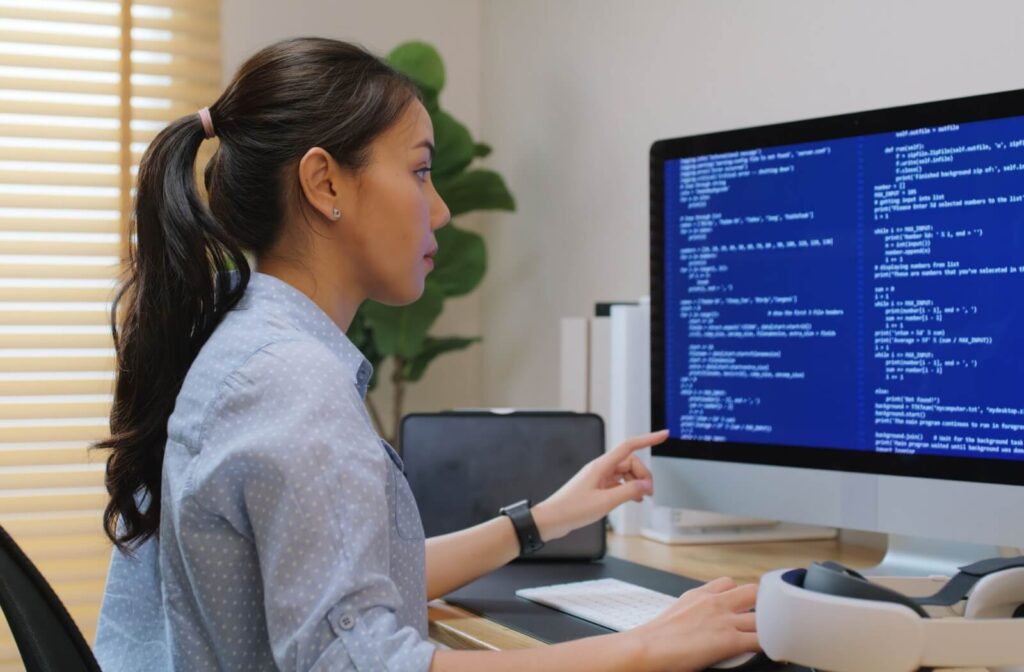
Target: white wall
[
  {"x": 572, "y": 92},
  {"x": 575, "y": 91},
  {"x": 453, "y": 26}
]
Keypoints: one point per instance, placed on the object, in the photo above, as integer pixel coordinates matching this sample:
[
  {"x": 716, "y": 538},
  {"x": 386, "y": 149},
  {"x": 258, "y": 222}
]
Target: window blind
[{"x": 84, "y": 86}]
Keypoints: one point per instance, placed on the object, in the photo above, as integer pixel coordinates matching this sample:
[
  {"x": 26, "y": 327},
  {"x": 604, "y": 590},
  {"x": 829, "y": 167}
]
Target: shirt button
[{"x": 346, "y": 622}]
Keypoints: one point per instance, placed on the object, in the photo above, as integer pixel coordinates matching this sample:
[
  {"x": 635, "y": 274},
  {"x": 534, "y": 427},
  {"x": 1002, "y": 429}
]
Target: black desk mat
[{"x": 493, "y": 597}]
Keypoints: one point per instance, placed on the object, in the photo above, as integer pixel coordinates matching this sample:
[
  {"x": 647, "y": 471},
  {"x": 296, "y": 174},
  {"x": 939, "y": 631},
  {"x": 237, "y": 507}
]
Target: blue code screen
[{"x": 858, "y": 293}]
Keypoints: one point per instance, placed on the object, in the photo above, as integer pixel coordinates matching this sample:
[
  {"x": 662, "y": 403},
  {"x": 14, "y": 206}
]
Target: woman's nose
[{"x": 439, "y": 213}]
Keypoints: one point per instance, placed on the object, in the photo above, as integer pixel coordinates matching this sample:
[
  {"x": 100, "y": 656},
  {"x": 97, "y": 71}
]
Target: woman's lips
[{"x": 429, "y": 257}]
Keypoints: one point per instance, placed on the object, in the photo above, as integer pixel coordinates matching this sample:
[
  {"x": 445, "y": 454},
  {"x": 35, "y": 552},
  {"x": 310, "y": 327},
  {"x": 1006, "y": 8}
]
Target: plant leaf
[
  {"x": 475, "y": 190},
  {"x": 481, "y": 150},
  {"x": 430, "y": 101},
  {"x": 400, "y": 330},
  {"x": 455, "y": 145},
  {"x": 433, "y": 348},
  {"x": 421, "y": 63},
  {"x": 461, "y": 260}
]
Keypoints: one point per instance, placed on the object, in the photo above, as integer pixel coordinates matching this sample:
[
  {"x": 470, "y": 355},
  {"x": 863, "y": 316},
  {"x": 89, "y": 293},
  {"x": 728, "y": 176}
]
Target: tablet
[{"x": 463, "y": 466}]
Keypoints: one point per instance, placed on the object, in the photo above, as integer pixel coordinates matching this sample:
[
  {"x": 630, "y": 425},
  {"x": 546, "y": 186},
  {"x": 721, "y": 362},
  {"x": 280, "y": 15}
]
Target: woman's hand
[
  {"x": 704, "y": 626},
  {"x": 602, "y": 484}
]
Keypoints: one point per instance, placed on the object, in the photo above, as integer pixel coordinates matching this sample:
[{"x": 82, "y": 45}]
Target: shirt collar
[{"x": 270, "y": 294}]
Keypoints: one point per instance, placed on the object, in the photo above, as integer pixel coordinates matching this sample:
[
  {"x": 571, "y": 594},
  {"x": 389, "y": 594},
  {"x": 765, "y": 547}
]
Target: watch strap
[{"x": 525, "y": 526}]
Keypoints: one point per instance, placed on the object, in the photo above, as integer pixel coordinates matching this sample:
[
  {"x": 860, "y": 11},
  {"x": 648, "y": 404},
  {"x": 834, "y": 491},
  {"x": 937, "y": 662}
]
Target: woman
[{"x": 260, "y": 522}]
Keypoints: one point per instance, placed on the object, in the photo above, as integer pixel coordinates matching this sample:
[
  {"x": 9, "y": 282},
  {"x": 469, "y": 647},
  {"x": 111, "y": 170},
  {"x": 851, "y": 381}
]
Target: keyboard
[{"x": 614, "y": 604}]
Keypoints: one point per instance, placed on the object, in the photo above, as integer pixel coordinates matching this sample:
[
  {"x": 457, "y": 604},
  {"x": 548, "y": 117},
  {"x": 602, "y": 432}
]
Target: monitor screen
[{"x": 845, "y": 293}]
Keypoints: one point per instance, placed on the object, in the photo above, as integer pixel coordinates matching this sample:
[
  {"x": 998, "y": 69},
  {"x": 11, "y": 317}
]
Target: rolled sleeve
[{"x": 306, "y": 481}]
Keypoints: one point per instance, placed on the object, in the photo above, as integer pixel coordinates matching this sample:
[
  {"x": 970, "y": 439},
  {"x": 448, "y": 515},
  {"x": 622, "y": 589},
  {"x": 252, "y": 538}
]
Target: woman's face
[{"x": 397, "y": 211}]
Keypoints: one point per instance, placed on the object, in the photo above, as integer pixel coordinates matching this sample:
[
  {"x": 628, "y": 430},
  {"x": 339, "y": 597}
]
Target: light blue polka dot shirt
[{"x": 289, "y": 538}]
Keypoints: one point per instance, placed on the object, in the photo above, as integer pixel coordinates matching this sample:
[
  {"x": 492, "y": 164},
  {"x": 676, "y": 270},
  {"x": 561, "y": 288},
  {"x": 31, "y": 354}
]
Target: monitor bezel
[{"x": 938, "y": 113}]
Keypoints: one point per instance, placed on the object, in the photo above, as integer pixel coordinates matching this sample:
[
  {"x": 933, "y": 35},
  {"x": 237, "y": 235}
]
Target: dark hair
[{"x": 287, "y": 98}]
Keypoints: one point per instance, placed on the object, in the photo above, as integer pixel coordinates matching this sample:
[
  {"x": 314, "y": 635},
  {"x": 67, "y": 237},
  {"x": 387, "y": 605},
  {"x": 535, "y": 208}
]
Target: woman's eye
[{"x": 422, "y": 172}]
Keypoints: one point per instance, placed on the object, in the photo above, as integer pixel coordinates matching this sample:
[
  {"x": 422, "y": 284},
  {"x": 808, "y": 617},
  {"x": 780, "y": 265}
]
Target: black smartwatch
[{"x": 526, "y": 528}]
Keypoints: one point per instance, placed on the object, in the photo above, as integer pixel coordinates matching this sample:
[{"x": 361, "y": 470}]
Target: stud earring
[{"x": 336, "y": 214}]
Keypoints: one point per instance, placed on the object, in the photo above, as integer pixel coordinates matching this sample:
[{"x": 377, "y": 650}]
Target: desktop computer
[
  {"x": 837, "y": 325},
  {"x": 836, "y": 338}
]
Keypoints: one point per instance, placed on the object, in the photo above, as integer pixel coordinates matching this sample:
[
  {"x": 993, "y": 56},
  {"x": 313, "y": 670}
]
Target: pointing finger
[{"x": 633, "y": 444}]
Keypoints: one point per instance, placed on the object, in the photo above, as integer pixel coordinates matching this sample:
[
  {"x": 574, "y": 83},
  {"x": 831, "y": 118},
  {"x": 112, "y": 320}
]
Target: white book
[
  {"x": 630, "y": 383},
  {"x": 600, "y": 367}
]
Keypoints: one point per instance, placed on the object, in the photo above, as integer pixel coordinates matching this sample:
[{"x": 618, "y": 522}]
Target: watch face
[{"x": 521, "y": 504}]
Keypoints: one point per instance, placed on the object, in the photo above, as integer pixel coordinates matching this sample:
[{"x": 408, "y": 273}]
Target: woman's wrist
[
  {"x": 631, "y": 649},
  {"x": 546, "y": 520}
]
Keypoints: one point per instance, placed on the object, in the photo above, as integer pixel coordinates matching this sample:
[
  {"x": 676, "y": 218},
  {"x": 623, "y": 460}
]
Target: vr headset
[{"x": 831, "y": 618}]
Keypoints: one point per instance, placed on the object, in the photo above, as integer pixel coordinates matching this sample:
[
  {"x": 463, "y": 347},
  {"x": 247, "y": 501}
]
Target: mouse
[{"x": 747, "y": 662}]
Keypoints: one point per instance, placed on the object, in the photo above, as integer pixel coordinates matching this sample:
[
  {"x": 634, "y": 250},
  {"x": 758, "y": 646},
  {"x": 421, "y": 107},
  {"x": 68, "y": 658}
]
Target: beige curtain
[{"x": 84, "y": 85}]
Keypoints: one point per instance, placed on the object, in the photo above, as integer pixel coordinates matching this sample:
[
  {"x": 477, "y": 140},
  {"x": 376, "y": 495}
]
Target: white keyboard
[{"x": 615, "y": 604}]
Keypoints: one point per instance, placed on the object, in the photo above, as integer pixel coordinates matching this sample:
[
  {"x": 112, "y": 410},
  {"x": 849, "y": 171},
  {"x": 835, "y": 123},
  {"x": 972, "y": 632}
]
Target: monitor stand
[
  {"x": 683, "y": 526},
  {"x": 917, "y": 556}
]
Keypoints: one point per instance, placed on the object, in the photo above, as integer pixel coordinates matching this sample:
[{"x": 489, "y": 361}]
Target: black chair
[{"x": 47, "y": 637}]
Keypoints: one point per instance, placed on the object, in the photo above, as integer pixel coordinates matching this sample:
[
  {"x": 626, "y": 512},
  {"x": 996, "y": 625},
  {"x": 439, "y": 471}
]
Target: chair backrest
[{"x": 47, "y": 637}]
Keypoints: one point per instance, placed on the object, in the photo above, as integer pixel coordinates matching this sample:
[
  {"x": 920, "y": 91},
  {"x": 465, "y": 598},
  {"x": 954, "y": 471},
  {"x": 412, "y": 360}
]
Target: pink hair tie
[{"x": 204, "y": 116}]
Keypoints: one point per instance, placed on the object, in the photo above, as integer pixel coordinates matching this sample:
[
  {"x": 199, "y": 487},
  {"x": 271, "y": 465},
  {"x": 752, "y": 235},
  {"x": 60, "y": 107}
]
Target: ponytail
[{"x": 175, "y": 292}]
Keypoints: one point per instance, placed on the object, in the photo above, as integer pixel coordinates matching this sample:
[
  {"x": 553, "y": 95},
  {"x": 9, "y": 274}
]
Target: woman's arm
[
  {"x": 704, "y": 626},
  {"x": 607, "y": 653},
  {"x": 455, "y": 559},
  {"x": 618, "y": 476}
]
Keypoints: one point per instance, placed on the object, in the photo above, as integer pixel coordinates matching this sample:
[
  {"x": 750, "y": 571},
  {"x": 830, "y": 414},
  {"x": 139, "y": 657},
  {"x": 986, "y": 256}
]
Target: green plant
[{"x": 401, "y": 333}]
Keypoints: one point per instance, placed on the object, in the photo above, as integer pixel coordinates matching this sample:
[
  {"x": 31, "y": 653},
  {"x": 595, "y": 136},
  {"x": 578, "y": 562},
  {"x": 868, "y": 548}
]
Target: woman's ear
[{"x": 321, "y": 178}]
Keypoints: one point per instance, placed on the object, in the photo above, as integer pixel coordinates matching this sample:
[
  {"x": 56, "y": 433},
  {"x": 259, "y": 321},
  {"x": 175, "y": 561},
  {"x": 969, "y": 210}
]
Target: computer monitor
[{"x": 837, "y": 321}]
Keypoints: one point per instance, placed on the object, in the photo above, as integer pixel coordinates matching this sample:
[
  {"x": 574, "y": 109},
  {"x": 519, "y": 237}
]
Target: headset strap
[{"x": 956, "y": 589}]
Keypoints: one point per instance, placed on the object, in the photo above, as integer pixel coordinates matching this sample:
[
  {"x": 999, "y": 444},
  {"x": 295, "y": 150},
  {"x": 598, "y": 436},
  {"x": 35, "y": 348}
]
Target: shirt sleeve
[{"x": 289, "y": 460}]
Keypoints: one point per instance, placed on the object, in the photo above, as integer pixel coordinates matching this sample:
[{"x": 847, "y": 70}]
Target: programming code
[{"x": 857, "y": 293}]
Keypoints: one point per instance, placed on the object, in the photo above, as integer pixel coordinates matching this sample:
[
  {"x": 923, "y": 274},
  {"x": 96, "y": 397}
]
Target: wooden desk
[{"x": 460, "y": 629}]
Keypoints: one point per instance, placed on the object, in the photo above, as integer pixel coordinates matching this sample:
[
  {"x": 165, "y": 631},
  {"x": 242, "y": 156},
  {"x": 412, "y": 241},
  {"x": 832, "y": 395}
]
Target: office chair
[{"x": 47, "y": 637}]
